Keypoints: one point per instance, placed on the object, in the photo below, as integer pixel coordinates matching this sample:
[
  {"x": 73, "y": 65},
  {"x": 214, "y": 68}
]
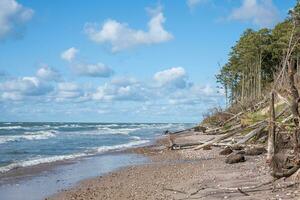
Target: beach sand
[{"x": 184, "y": 174}]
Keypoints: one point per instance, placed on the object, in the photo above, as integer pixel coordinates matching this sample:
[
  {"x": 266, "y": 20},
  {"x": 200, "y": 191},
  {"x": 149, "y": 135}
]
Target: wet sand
[
  {"x": 184, "y": 174},
  {"x": 41, "y": 181}
]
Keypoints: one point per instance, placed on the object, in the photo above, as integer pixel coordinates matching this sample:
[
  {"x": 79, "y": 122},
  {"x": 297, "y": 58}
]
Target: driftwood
[
  {"x": 287, "y": 173},
  {"x": 181, "y": 131},
  {"x": 191, "y": 145},
  {"x": 234, "y": 128},
  {"x": 216, "y": 140},
  {"x": 251, "y": 134},
  {"x": 232, "y": 118},
  {"x": 261, "y": 125},
  {"x": 272, "y": 127}
]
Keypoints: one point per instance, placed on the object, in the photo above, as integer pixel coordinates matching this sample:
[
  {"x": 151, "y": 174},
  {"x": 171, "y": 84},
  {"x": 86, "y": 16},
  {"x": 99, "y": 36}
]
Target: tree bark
[{"x": 271, "y": 137}]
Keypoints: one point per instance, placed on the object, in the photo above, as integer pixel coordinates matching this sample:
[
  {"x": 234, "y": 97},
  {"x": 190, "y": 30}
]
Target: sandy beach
[{"x": 185, "y": 174}]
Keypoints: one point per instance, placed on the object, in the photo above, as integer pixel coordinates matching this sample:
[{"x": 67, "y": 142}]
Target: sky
[{"x": 120, "y": 61}]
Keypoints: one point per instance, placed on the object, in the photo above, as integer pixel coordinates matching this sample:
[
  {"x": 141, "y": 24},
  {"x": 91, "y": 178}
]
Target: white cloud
[
  {"x": 92, "y": 70},
  {"x": 12, "y": 15},
  {"x": 194, "y": 3},
  {"x": 121, "y": 36},
  {"x": 69, "y": 54},
  {"x": 48, "y": 74},
  {"x": 173, "y": 77},
  {"x": 68, "y": 90},
  {"x": 17, "y": 89},
  {"x": 260, "y": 12},
  {"x": 121, "y": 88}
]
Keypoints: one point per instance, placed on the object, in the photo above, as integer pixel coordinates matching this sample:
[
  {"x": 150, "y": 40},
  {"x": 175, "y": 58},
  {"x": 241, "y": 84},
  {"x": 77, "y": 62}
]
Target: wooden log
[
  {"x": 251, "y": 134},
  {"x": 271, "y": 136},
  {"x": 234, "y": 128},
  {"x": 181, "y": 131},
  {"x": 232, "y": 118},
  {"x": 231, "y": 132},
  {"x": 216, "y": 140},
  {"x": 287, "y": 173},
  {"x": 187, "y": 145}
]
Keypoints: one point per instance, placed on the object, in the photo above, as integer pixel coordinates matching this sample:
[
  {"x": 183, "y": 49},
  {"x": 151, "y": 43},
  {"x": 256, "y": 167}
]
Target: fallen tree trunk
[
  {"x": 287, "y": 173},
  {"x": 272, "y": 127},
  {"x": 232, "y": 118},
  {"x": 181, "y": 131},
  {"x": 237, "y": 128},
  {"x": 216, "y": 140},
  {"x": 251, "y": 134}
]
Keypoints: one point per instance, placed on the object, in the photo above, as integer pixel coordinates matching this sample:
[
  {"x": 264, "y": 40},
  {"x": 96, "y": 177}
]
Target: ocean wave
[
  {"x": 10, "y": 127},
  {"x": 119, "y": 131},
  {"x": 51, "y": 159},
  {"x": 136, "y": 137},
  {"x": 121, "y": 146},
  {"x": 37, "y": 161},
  {"x": 38, "y": 135}
]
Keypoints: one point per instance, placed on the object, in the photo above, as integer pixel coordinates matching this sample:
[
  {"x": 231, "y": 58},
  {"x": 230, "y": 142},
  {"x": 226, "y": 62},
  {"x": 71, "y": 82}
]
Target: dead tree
[{"x": 271, "y": 137}]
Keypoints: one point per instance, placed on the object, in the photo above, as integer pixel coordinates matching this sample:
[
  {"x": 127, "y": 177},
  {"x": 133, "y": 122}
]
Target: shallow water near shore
[
  {"x": 25, "y": 144},
  {"x": 48, "y": 182}
]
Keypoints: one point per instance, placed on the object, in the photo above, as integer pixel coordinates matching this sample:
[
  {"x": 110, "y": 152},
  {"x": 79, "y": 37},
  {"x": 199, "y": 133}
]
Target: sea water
[{"x": 28, "y": 144}]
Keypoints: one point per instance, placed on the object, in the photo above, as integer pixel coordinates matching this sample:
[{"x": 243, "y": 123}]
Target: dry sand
[{"x": 184, "y": 174}]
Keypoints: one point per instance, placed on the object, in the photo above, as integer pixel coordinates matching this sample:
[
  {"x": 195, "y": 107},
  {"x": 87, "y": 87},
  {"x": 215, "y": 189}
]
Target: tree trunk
[{"x": 271, "y": 137}]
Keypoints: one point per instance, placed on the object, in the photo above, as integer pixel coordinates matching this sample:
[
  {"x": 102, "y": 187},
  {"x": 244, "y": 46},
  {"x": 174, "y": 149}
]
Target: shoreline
[
  {"x": 21, "y": 172},
  {"x": 46, "y": 179},
  {"x": 184, "y": 174},
  {"x": 56, "y": 178}
]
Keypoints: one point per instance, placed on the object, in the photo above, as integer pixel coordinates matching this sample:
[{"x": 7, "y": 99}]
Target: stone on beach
[
  {"x": 254, "y": 151},
  {"x": 235, "y": 158},
  {"x": 226, "y": 151}
]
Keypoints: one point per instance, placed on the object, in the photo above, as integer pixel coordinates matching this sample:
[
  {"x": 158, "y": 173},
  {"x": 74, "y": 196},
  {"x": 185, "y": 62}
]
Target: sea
[{"x": 26, "y": 144}]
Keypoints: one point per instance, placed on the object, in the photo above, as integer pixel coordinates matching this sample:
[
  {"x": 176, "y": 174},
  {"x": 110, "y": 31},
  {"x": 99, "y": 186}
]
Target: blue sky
[{"x": 120, "y": 61}]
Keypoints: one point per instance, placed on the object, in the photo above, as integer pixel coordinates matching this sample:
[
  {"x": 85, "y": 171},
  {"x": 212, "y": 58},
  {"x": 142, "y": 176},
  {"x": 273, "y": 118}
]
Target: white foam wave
[
  {"x": 37, "y": 161},
  {"x": 10, "y": 127},
  {"x": 38, "y": 135},
  {"x": 136, "y": 137},
  {"x": 119, "y": 131},
  {"x": 121, "y": 146},
  {"x": 45, "y": 160}
]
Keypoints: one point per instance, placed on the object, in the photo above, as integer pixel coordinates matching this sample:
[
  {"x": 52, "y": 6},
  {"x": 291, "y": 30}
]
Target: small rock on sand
[
  {"x": 226, "y": 151},
  {"x": 207, "y": 147},
  {"x": 235, "y": 158},
  {"x": 255, "y": 151}
]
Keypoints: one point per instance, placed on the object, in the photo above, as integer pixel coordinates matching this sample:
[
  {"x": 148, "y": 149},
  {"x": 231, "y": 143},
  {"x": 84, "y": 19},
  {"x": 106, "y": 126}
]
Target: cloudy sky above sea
[{"x": 120, "y": 61}]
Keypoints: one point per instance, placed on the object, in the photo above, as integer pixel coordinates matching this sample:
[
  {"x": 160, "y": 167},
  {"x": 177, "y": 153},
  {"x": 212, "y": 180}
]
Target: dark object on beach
[
  {"x": 255, "y": 151},
  {"x": 167, "y": 132},
  {"x": 226, "y": 151},
  {"x": 241, "y": 152},
  {"x": 207, "y": 148},
  {"x": 235, "y": 158},
  {"x": 200, "y": 129},
  {"x": 237, "y": 147}
]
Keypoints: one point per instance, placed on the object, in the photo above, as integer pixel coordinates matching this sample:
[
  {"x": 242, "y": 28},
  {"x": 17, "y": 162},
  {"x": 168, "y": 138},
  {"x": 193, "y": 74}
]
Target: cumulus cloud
[
  {"x": 260, "y": 12},
  {"x": 12, "y": 16},
  {"x": 69, "y": 54},
  {"x": 120, "y": 36},
  {"x": 92, "y": 70},
  {"x": 17, "y": 89},
  {"x": 68, "y": 90},
  {"x": 194, "y": 3},
  {"x": 48, "y": 74},
  {"x": 122, "y": 88},
  {"x": 173, "y": 77}
]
